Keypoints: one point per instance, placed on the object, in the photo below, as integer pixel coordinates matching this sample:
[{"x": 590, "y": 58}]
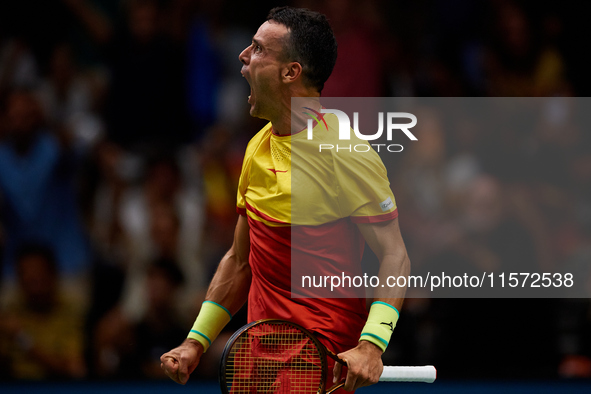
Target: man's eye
[{"x": 257, "y": 48}]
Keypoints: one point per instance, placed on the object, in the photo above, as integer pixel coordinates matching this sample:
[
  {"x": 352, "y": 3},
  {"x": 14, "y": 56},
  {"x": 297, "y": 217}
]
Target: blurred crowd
[{"x": 122, "y": 130}]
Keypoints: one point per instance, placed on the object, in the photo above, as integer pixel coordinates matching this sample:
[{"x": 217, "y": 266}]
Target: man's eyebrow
[{"x": 254, "y": 41}]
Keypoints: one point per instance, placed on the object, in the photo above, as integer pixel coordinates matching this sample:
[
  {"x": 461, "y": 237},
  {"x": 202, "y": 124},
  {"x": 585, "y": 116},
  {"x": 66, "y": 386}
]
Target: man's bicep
[
  {"x": 383, "y": 237},
  {"x": 385, "y": 240}
]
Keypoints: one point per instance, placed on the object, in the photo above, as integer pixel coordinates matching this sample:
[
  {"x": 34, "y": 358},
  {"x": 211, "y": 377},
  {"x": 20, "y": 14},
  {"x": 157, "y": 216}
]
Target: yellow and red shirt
[{"x": 302, "y": 206}]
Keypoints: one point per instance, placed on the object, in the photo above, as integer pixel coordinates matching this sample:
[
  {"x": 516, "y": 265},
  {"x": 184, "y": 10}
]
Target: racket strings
[{"x": 274, "y": 358}]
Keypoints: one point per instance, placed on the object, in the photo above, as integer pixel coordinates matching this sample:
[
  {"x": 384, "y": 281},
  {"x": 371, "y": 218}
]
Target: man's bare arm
[
  {"x": 364, "y": 361},
  {"x": 229, "y": 287},
  {"x": 231, "y": 282},
  {"x": 385, "y": 240}
]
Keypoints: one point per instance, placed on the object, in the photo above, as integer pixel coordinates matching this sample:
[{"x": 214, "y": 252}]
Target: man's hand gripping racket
[{"x": 276, "y": 356}]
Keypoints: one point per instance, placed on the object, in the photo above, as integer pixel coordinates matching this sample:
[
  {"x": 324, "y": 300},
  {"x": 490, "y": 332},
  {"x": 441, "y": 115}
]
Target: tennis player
[{"x": 292, "y": 55}]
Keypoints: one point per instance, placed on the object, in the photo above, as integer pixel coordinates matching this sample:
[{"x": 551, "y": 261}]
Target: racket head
[{"x": 273, "y": 356}]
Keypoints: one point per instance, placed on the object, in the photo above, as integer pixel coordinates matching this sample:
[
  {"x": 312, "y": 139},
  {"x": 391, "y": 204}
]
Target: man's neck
[{"x": 282, "y": 124}]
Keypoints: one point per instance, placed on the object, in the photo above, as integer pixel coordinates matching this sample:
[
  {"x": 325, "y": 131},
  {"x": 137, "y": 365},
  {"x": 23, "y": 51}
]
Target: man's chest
[{"x": 293, "y": 187}]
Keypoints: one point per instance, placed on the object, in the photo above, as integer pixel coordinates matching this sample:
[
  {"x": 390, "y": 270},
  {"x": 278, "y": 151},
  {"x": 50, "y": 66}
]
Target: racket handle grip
[{"x": 426, "y": 374}]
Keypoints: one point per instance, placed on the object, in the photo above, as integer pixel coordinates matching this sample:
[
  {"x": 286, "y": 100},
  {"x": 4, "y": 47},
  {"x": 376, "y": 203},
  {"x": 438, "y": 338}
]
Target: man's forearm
[
  {"x": 226, "y": 295},
  {"x": 386, "y": 241},
  {"x": 394, "y": 265},
  {"x": 231, "y": 282},
  {"x": 228, "y": 290}
]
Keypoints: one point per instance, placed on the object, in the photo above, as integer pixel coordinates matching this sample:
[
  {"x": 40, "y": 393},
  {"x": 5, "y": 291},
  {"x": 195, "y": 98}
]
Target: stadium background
[{"x": 131, "y": 119}]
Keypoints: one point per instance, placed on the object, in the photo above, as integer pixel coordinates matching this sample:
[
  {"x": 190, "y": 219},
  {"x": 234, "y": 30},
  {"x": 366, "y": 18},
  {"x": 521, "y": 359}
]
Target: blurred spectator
[
  {"x": 165, "y": 242},
  {"x": 18, "y": 66},
  {"x": 575, "y": 314},
  {"x": 221, "y": 163},
  {"x": 160, "y": 218},
  {"x": 425, "y": 166},
  {"x": 520, "y": 62},
  {"x": 160, "y": 329},
  {"x": 41, "y": 330},
  {"x": 67, "y": 99},
  {"x": 103, "y": 209},
  {"x": 574, "y": 343},
  {"x": 132, "y": 349},
  {"x": 361, "y": 37},
  {"x": 492, "y": 238},
  {"x": 216, "y": 91},
  {"x": 112, "y": 346},
  {"x": 145, "y": 106},
  {"x": 495, "y": 239},
  {"x": 37, "y": 173},
  {"x": 204, "y": 68}
]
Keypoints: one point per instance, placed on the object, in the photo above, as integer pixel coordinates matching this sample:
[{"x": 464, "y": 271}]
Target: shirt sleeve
[{"x": 364, "y": 189}]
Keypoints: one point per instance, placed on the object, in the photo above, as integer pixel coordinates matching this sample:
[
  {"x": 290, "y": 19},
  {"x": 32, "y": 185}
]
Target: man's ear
[{"x": 292, "y": 72}]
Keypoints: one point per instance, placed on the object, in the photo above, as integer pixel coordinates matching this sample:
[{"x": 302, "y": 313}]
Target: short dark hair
[{"x": 311, "y": 42}]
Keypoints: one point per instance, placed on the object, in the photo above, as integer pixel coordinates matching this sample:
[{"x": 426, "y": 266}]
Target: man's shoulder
[{"x": 262, "y": 135}]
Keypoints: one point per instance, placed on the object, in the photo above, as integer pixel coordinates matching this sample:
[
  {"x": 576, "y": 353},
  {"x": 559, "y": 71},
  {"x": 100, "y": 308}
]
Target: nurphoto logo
[{"x": 345, "y": 129}]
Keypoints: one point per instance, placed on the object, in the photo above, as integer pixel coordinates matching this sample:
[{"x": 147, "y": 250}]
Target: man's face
[
  {"x": 38, "y": 283},
  {"x": 22, "y": 114},
  {"x": 263, "y": 62}
]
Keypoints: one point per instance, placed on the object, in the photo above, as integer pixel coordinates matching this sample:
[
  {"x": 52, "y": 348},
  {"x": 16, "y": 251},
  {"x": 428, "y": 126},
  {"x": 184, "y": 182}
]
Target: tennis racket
[{"x": 277, "y": 356}]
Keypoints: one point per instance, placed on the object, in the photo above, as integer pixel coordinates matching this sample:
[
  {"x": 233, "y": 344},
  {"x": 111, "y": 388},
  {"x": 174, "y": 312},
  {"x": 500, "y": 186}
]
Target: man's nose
[{"x": 245, "y": 55}]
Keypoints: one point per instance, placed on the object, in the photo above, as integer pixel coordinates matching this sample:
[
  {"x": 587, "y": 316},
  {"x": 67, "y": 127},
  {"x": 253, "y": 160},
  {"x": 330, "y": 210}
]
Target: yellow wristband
[
  {"x": 380, "y": 324},
  {"x": 211, "y": 320}
]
